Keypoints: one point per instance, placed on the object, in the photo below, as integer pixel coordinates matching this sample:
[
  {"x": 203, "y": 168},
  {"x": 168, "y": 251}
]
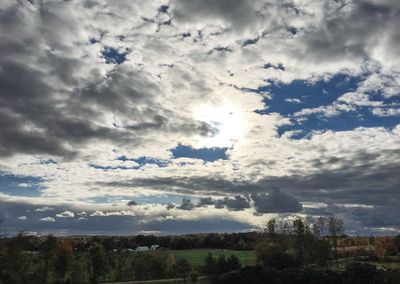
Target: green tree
[
  {"x": 96, "y": 261},
  {"x": 233, "y": 263},
  {"x": 274, "y": 255},
  {"x": 210, "y": 266},
  {"x": 194, "y": 277},
  {"x": 271, "y": 228},
  {"x": 46, "y": 253},
  {"x": 183, "y": 268}
]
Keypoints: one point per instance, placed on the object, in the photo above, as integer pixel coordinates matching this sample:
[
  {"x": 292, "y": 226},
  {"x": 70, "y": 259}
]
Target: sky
[{"x": 183, "y": 116}]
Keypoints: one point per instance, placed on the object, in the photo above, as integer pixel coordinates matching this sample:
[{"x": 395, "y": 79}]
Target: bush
[{"x": 272, "y": 255}]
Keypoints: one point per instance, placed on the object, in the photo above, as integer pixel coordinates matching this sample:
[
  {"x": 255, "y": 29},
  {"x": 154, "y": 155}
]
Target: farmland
[{"x": 196, "y": 256}]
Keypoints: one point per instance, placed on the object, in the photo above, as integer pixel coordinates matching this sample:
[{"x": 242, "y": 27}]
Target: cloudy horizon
[{"x": 185, "y": 116}]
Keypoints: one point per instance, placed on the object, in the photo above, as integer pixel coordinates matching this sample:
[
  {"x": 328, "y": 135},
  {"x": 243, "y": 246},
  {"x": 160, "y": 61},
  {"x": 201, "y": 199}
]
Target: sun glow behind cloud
[
  {"x": 132, "y": 100},
  {"x": 227, "y": 119}
]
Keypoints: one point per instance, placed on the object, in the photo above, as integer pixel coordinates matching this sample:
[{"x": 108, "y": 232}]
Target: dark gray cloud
[
  {"x": 170, "y": 206},
  {"x": 239, "y": 13},
  {"x": 205, "y": 201},
  {"x": 236, "y": 203},
  {"x": 351, "y": 29},
  {"x": 275, "y": 202},
  {"x": 186, "y": 204},
  {"x": 132, "y": 203},
  {"x": 357, "y": 180},
  {"x": 46, "y": 107}
]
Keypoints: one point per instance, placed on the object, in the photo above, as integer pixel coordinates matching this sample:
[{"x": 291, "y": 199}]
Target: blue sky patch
[
  {"x": 310, "y": 95},
  {"x": 20, "y": 185},
  {"x": 287, "y": 99},
  {"x": 206, "y": 154},
  {"x": 113, "y": 56}
]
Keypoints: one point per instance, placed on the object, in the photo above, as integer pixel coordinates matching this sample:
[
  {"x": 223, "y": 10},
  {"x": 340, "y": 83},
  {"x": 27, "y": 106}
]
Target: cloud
[
  {"x": 44, "y": 208},
  {"x": 65, "y": 214},
  {"x": 186, "y": 204},
  {"x": 123, "y": 79},
  {"x": 99, "y": 213},
  {"x": 132, "y": 203},
  {"x": 236, "y": 203},
  {"x": 170, "y": 206},
  {"x": 295, "y": 101},
  {"x": 275, "y": 202},
  {"x": 22, "y": 218},
  {"x": 205, "y": 201},
  {"x": 383, "y": 112},
  {"x": 238, "y": 14},
  {"x": 47, "y": 219}
]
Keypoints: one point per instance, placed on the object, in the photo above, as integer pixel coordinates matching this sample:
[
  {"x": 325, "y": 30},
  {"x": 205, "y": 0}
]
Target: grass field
[{"x": 196, "y": 256}]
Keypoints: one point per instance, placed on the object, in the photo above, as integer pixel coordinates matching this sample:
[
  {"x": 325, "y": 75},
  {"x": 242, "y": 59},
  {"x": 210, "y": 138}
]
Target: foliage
[
  {"x": 154, "y": 265},
  {"x": 353, "y": 274}
]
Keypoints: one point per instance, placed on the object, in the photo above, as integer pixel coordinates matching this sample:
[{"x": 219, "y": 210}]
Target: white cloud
[
  {"x": 93, "y": 113},
  {"x": 65, "y": 214},
  {"x": 295, "y": 101},
  {"x": 44, "y": 209},
  {"x": 386, "y": 112},
  {"x": 22, "y": 218},
  {"x": 48, "y": 219}
]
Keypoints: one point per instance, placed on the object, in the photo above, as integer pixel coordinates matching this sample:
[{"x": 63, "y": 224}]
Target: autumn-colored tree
[{"x": 63, "y": 259}]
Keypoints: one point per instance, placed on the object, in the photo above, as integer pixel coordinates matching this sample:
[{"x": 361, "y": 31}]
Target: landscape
[
  {"x": 199, "y": 141},
  {"x": 299, "y": 252}
]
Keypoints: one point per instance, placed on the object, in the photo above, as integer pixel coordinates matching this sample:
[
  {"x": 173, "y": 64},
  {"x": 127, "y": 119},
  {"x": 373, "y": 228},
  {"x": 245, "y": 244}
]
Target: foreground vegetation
[{"x": 299, "y": 252}]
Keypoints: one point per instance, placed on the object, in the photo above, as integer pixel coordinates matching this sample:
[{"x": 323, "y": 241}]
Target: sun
[{"x": 228, "y": 121}]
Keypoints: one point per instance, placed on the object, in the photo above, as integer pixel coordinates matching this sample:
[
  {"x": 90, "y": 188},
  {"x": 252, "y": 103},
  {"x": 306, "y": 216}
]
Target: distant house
[
  {"x": 142, "y": 249},
  {"x": 128, "y": 250},
  {"x": 154, "y": 247}
]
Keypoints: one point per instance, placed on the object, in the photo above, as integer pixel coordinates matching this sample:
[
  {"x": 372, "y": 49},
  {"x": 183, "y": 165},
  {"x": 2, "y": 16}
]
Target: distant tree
[
  {"x": 222, "y": 266},
  {"x": 336, "y": 230},
  {"x": 319, "y": 227},
  {"x": 63, "y": 259},
  {"x": 46, "y": 253},
  {"x": 271, "y": 227},
  {"x": 300, "y": 231},
  {"x": 154, "y": 265},
  {"x": 396, "y": 242},
  {"x": 194, "y": 277},
  {"x": 183, "y": 268},
  {"x": 360, "y": 273},
  {"x": 233, "y": 263},
  {"x": 210, "y": 268},
  {"x": 274, "y": 255},
  {"x": 16, "y": 265},
  {"x": 96, "y": 261}
]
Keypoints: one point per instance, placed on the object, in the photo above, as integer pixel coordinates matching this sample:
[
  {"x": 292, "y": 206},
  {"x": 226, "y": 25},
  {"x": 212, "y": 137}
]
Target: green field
[{"x": 196, "y": 256}]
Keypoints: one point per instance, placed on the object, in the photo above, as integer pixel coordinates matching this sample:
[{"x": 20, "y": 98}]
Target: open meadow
[{"x": 196, "y": 256}]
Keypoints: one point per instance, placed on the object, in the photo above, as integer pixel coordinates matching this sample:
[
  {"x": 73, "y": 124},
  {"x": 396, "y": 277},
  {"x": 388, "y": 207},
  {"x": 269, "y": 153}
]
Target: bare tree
[
  {"x": 319, "y": 227},
  {"x": 271, "y": 229},
  {"x": 336, "y": 229}
]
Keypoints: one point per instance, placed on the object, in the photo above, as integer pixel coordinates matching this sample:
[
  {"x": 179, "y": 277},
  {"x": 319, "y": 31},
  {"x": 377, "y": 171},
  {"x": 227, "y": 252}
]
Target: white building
[
  {"x": 154, "y": 247},
  {"x": 142, "y": 249}
]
